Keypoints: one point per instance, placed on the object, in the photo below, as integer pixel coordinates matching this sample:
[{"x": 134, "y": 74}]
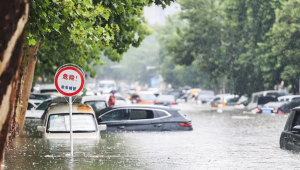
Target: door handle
[
  {"x": 120, "y": 127},
  {"x": 157, "y": 125}
]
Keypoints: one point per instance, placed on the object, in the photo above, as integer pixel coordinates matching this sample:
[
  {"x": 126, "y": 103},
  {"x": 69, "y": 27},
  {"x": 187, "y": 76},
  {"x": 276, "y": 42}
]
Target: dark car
[
  {"x": 288, "y": 106},
  {"x": 204, "y": 96},
  {"x": 165, "y": 100},
  {"x": 290, "y": 137},
  {"x": 272, "y": 107},
  {"x": 176, "y": 93},
  {"x": 143, "y": 118}
]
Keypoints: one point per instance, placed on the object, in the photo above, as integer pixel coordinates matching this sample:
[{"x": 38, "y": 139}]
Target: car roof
[
  {"x": 78, "y": 99},
  {"x": 144, "y": 106},
  {"x": 64, "y": 108}
]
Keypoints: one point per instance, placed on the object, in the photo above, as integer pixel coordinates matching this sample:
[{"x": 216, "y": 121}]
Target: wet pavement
[{"x": 227, "y": 140}]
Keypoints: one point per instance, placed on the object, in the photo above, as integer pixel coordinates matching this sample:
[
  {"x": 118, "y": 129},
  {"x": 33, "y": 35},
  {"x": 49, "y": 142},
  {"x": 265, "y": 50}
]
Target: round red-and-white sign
[{"x": 69, "y": 81}]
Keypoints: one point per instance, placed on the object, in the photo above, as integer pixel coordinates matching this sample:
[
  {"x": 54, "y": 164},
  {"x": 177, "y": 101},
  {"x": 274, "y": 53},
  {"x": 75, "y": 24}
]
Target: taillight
[
  {"x": 186, "y": 124},
  {"x": 280, "y": 112},
  {"x": 258, "y": 111},
  {"x": 275, "y": 110},
  {"x": 172, "y": 103},
  {"x": 156, "y": 102}
]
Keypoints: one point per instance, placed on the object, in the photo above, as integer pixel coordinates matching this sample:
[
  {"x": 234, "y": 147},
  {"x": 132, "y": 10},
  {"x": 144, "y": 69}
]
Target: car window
[
  {"x": 296, "y": 99},
  {"x": 80, "y": 122},
  {"x": 97, "y": 106},
  {"x": 30, "y": 106},
  {"x": 115, "y": 115},
  {"x": 287, "y": 99},
  {"x": 165, "y": 98},
  {"x": 161, "y": 113},
  {"x": 255, "y": 99},
  {"x": 137, "y": 114},
  {"x": 281, "y": 100},
  {"x": 43, "y": 105},
  {"x": 216, "y": 99},
  {"x": 296, "y": 120}
]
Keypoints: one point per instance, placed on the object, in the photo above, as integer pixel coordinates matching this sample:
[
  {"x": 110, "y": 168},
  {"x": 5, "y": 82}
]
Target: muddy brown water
[{"x": 228, "y": 140}]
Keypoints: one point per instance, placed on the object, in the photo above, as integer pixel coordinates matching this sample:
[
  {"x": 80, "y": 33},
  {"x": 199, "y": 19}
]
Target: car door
[
  {"x": 115, "y": 120},
  {"x": 286, "y": 136},
  {"x": 293, "y": 137},
  {"x": 143, "y": 120}
]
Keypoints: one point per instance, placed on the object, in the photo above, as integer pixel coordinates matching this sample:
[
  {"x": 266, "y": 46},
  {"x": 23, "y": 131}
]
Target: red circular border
[{"x": 69, "y": 68}]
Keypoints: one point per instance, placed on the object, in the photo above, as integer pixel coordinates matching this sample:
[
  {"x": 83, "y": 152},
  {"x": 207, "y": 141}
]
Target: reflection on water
[{"x": 218, "y": 140}]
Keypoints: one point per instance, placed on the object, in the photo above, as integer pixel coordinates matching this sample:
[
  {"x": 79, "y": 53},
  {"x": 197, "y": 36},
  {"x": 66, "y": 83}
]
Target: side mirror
[
  {"x": 102, "y": 127},
  {"x": 296, "y": 129},
  {"x": 41, "y": 128}
]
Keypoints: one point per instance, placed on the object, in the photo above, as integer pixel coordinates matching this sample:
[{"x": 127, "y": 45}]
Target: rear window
[
  {"x": 97, "y": 106},
  {"x": 164, "y": 98},
  {"x": 137, "y": 114},
  {"x": 147, "y": 96},
  {"x": 296, "y": 99}
]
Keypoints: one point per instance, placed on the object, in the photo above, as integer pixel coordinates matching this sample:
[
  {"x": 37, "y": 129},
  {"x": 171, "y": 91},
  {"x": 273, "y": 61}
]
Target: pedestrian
[{"x": 112, "y": 100}]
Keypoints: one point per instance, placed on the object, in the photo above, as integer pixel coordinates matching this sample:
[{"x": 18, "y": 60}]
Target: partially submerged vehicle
[
  {"x": 96, "y": 102},
  {"x": 57, "y": 122}
]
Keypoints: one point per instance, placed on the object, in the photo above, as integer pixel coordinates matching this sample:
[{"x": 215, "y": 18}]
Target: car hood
[
  {"x": 35, "y": 114},
  {"x": 88, "y": 135}
]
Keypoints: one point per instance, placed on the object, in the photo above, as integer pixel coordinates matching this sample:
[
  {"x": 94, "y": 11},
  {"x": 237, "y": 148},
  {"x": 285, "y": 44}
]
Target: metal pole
[{"x": 71, "y": 130}]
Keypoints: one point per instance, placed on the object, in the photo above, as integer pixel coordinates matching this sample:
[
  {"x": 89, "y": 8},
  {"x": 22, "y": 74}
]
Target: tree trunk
[
  {"x": 13, "y": 19},
  {"x": 26, "y": 84},
  {"x": 13, "y": 129}
]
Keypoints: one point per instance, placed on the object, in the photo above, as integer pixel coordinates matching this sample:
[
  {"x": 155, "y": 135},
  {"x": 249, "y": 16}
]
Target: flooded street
[{"x": 219, "y": 141}]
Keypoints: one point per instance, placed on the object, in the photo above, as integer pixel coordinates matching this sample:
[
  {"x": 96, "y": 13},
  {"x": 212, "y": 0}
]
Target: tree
[
  {"x": 77, "y": 32},
  {"x": 13, "y": 19},
  {"x": 223, "y": 38},
  {"x": 280, "y": 59}
]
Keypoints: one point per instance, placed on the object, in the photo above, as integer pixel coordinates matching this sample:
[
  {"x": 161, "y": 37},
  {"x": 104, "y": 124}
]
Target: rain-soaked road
[{"x": 219, "y": 141}]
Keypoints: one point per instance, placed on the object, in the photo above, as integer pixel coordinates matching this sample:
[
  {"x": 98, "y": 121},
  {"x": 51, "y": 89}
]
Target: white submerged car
[{"x": 84, "y": 123}]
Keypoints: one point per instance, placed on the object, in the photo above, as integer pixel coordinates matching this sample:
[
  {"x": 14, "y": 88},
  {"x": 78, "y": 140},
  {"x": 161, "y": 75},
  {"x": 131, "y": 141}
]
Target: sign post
[{"x": 69, "y": 81}]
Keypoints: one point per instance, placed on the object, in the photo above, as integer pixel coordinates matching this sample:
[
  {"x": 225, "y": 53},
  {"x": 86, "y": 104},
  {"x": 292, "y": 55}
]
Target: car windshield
[
  {"x": 60, "y": 123},
  {"x": 165, "y": 98},
  {"x": 44, "y": 105},
  {"x": 147, "y": 96}
]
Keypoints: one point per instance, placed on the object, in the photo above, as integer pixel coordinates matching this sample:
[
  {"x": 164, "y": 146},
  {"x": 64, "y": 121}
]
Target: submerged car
[
  {"x": 290, "y": 137},
  {"x": 165, "y": 100},
  {"x": 272, "y": 107},
  {"x": 204, "y": 96},
  {"x": 57, "y": 122},
  {"x": 143, "y": 118},
  {"x": 96, "y": 102}
]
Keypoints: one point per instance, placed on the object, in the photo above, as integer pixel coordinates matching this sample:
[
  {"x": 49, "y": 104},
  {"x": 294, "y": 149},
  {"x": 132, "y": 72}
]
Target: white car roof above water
[{"x": 64, "y": 108}]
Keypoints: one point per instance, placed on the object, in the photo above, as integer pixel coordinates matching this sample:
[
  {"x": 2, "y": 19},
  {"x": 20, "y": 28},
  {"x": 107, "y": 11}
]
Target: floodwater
[{"x": 228, "y": 140}]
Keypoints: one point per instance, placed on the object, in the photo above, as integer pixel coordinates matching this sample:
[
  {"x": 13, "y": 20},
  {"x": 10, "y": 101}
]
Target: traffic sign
[{"x": 69, "y": 80}]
